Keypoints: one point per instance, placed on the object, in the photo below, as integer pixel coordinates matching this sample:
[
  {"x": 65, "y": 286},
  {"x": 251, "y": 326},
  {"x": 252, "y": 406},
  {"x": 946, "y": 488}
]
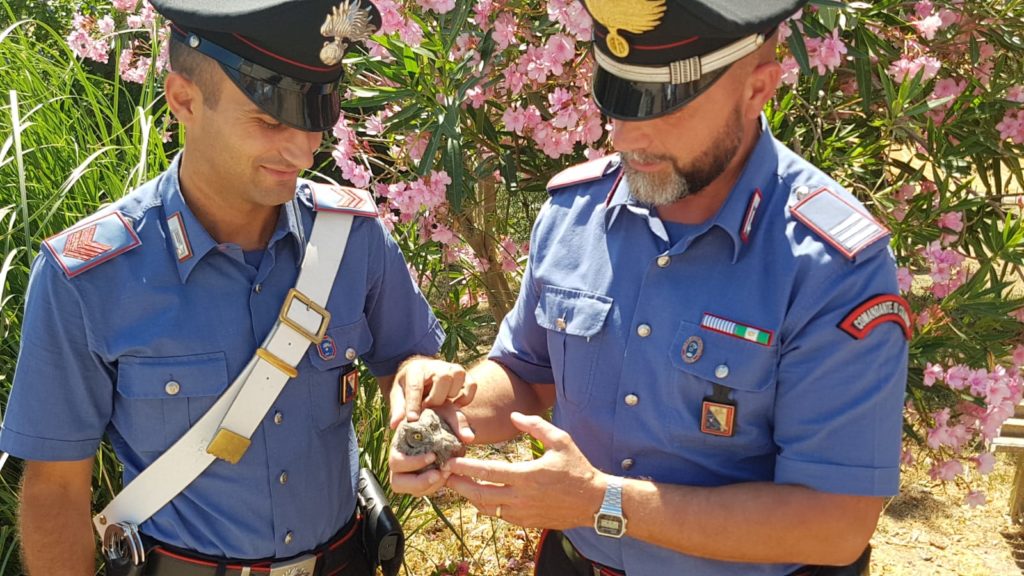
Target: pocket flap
[
  {"x": 151, "y": 378},
  {"x": 748, "y": 366},
  {"x": 331, "y": 353},
  {"x": 571, "y": 311}
]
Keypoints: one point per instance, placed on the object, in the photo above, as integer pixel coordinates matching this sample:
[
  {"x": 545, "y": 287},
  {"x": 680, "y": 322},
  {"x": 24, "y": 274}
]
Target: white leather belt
[{"x": 224, "y": 431}]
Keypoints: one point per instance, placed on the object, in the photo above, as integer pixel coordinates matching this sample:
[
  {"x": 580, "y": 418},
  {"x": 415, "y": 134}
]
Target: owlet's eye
[{"x": 417, "y": 436}]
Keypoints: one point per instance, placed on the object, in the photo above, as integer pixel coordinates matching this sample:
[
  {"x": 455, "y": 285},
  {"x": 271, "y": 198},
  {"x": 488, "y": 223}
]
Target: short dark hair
[{"x": 198, "y": 68}]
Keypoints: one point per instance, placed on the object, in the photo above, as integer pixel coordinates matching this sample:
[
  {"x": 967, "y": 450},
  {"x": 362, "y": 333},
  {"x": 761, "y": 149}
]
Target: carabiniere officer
[
  {"x": 715, "y": 322},
  {"x": 139, "y": 317}
]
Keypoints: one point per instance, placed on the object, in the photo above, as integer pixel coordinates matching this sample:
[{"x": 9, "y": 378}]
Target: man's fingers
[
  {"x": 417, "y": 484},
  {"x": 484, "y": 496},
  {"x": 413, "y": 384},
  {"x": 541, "y": 429},
  {"x": 446, "y": 383},
  {"x": 396, "y": 406},
  {"x": 468, "y": 392},
  {"x": 487, "y": 470}
]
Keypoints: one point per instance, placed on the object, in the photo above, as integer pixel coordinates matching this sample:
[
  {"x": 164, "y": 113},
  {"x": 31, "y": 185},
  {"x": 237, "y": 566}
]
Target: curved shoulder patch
[
  {"x": 586, "y": 172},
  {"x": 842, "y": 223},
  {"x": 331, "y": 198},
  {"x": 92, "y": 242}
]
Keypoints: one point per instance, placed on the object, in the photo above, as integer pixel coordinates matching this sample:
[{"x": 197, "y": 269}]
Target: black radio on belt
[{"x": 382, "y": 533}]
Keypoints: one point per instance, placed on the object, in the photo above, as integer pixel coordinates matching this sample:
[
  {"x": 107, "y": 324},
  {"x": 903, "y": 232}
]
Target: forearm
[
  {"x": 499, "y": 393},
  {"x": 56, "y": 531},
  {"x": 751, "y": 522}
]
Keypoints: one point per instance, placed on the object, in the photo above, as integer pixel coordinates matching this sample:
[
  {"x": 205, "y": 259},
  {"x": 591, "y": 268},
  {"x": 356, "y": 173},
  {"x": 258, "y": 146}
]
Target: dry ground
[{"x": 924, "y": 531}]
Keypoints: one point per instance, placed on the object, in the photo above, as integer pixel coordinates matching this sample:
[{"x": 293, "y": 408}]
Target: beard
[{"x": 665, "y": 187}]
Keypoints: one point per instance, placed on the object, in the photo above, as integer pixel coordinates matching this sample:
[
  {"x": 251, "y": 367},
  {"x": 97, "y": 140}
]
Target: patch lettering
[
  {"x": 878, "y": 310},
  {"x": 91, "y": 243}
]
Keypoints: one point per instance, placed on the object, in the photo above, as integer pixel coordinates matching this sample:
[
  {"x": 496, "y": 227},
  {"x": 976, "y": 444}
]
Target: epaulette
[
  {"x": 331, "y": 198},
  {"x": 585, "y": 172},
  {"x": 840, "y": 221},
  {"x": 92, "y": 242}
]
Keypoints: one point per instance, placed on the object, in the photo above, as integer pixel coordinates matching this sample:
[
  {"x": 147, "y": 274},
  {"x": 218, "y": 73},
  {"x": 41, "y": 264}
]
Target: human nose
[
  {"x": 629, "y": 136},
  {"x": 298, "y": 147}
]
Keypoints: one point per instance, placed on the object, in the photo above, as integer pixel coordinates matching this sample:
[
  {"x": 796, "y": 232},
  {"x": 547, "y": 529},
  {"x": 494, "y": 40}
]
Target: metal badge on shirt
[
  {"x": 349, "y": 384},
  {"x": 718, "y": 413}
]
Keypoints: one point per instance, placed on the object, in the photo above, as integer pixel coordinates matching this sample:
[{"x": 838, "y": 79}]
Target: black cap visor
[
  {"x": 629, "y": 100},
  {"x": 306, "y": 106}
]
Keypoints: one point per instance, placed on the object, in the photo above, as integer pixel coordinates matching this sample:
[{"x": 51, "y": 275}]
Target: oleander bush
[{"x": 458, "y": 113}]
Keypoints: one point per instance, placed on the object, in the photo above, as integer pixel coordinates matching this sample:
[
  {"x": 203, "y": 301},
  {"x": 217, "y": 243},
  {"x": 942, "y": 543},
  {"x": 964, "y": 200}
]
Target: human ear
[
  {"x": 183, "y": 97},
  {"x": 762, "y": 83}
]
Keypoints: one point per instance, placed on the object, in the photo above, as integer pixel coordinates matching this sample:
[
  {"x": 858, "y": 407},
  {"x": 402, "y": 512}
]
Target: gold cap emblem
[
  {"x": 633, "y": 16},
  {"x": 347, "y": 22}
]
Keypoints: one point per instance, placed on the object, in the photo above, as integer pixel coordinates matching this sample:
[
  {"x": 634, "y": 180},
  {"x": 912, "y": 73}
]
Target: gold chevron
[{"x": 634, "y": 16}]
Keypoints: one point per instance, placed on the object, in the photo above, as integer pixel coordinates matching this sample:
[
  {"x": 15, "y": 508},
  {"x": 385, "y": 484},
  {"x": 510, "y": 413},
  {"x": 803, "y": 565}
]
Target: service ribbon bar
[{"x": 730, "y": 328}]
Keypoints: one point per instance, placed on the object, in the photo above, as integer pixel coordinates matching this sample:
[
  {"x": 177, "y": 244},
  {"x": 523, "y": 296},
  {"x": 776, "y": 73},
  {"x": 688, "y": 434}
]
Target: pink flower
[
  {"x": 956, "y": 376},
  {"x": 947, "y": 470},
  {"x": 125, "y": 5},
  {"x": 951, "y": 221},
  {"x": 573, "y": 16},
  {"x": 1012, "y": 126},
  {"x": 985, "y": 462},
  {"x": 904, "y": 279},
  {"x": 928, "y": 26},
  {"x": 826, "y": 53},
  {"x": 439, "y": 6},
  {"x": 1018, "y": 356},
  {"x": 975, "y": 498},
  {"x": 1015, "y": 93},
  {"x": 907, "y": 67},
  {"x": 790, "y": 70},
  {"x": 923, "y": 9},
  {"x": 504, "y": 30},
  {"x": 932, "y": 374}
]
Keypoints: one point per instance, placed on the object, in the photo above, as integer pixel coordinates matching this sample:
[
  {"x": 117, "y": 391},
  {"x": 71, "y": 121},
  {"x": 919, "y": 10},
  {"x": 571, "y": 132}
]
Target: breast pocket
[
  {"x": 159, "y": 399},
  {"x": 748, "y": 369},
  {"x": 330, "y": 361},
  {"x": 575, "y": 322}
]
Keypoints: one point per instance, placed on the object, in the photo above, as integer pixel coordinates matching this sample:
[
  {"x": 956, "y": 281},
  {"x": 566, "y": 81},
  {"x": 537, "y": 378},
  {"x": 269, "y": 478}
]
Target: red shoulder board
[
  {"x": 840, "y": 221},
  {"x": 92, "y": 242},
  {"x": 877, "y": 310},
  {"x": 331, "y": 198},
  {"x": 586, "y": 172}
]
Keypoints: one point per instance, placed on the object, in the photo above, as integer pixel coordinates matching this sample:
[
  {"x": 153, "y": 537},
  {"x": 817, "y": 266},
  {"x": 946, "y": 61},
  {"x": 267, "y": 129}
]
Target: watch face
[{"x": 609, "y": 525}]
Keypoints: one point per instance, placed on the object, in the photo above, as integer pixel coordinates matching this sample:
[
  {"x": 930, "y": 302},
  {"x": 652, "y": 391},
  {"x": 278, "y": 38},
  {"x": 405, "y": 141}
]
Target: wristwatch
[{"x": 609, "y": 520}]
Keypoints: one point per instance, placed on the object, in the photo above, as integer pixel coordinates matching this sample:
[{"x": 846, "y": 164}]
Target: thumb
[
  {"x": 397, "y": 406},
  {"x": 552, "y": 436}
]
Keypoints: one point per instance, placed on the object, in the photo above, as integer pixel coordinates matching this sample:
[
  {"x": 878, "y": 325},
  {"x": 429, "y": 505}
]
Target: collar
[
  {"x": 738, "y": 214},
  {"x": 187, "y": 239}
]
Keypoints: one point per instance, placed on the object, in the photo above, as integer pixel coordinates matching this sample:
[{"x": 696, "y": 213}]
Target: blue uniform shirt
[
  {"x": 141, "y": 345},
  {"x": 636, "y": 331}
]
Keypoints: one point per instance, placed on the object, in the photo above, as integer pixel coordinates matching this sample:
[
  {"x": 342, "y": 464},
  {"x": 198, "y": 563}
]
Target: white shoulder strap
[{"x": 224, "y": 431}]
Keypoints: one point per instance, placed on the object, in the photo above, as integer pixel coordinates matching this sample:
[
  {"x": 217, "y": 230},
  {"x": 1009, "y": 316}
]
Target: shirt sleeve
[
  {"x": 521, "y": 344},
  {"x": 839, "y": 399},
  {"x": 401, "y": 320},
  {"x": 62, "y": 396}
]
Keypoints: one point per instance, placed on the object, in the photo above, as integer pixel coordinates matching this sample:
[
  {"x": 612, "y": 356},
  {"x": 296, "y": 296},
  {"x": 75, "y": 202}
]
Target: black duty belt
[
  {"x": 583, "y": 565},
  {"x": 342, "y": 555}
]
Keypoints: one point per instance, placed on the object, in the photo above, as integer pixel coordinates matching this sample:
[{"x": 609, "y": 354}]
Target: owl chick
[{"x": 428, "y": 434}]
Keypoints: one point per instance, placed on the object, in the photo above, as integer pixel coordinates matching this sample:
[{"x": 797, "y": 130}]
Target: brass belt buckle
[
  {"x": 302, "y": 566},
  {"x": 325, "y": 316}
]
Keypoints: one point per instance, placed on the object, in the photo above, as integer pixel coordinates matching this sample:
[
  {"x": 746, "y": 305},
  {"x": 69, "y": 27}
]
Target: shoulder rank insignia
[
  {"x": 92, "y": 242},
  {"x": 877, "y": 310},
  {"x": 586, "y": 172},
  {"x": 840, "y": 222},
  {"x": 331, "y": 198}
]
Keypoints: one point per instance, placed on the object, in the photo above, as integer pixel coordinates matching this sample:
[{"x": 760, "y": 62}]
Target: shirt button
[
  {"x": 283, "y": 478},
  {"x": 632, "y": 399},
  {"x": 257, "y": 288},
  {"x": 721, "y": 371},
  {"x": 643, "y": 330},
  {"x": 627, "y": 463},
  {"x": 664, "y": 261},
  {"x": 172, "y": 388},
  {"x": 350, "y": 354},
  {"x": 801, "y": 192},
  {"x": 278, "y": 418},
  {"x": 560, "y": 324},
  {"x": 288, "y": 537}
]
